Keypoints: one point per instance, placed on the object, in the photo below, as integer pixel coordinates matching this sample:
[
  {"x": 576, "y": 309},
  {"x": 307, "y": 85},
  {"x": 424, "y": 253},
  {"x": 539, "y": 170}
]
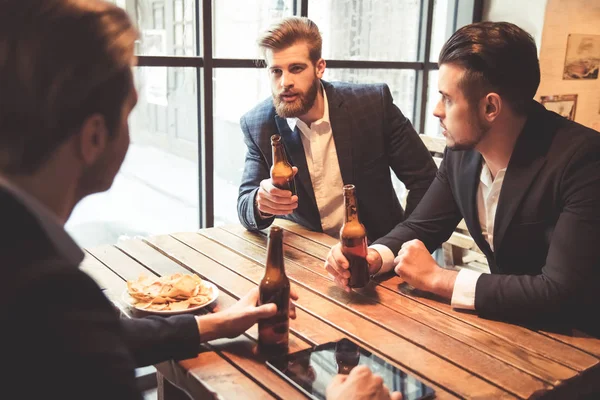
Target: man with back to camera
[
  {"x": 526, "y": 181},
  {"x": 67, "y": 91},
  {"x": 334, "y": 133}
]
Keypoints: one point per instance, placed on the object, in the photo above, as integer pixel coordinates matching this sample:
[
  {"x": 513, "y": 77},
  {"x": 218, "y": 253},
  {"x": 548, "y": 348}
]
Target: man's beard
[
  {"x": 480, "y": 127},
  {"x": 298, "y": 107}
]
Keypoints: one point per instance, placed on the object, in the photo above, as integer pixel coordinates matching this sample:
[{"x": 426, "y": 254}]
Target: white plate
[{"x": 129, "y": 301}]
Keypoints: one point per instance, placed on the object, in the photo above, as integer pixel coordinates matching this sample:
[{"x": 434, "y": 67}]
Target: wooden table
[{"x": 458, "y": 353}]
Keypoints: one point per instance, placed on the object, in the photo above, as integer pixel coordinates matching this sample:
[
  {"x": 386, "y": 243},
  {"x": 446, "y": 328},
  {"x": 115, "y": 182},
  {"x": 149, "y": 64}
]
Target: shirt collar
[
  {"x": 49, "y": 222},
  {"x": 486, "y": 175},
  {"x": 320, "y": 123}
]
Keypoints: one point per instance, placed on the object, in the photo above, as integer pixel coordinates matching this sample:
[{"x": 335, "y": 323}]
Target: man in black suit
[
  {"x": 526, "y": 181},
  {"x": 67, "y": 90},
  {"x": 334, "y": 134}
]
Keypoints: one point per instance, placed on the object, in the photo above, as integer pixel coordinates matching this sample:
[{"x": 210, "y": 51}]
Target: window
[
  {"x": 379, "y": 30},
  {"x": 156, "y": 189},
  {"x": 235, "y": 92},
  {"x": 237, "y": 24},
  {"x": 198, "y": 75}
]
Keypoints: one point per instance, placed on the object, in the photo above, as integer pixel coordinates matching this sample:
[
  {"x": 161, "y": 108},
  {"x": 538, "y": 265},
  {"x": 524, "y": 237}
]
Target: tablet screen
[{"x": 312, "y": 369}]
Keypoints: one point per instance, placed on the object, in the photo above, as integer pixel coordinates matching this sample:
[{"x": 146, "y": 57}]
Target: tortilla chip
[
  {"x": 175, "y": 292},
  {"x": 179, "y": 305}
]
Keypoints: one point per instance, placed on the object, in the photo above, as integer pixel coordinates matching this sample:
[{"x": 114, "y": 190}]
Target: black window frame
[{"x": 205, "y": 63}]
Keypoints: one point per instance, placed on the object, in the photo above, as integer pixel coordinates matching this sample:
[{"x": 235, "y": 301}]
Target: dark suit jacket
[
  {"x": 546, "y": 265},
  {"x": 371, "y": 135},
  {"x": 60, "y": 336}
]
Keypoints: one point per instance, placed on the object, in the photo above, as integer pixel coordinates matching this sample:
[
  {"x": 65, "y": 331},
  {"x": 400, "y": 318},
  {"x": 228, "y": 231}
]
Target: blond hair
[{"x": 289, "y": 31}]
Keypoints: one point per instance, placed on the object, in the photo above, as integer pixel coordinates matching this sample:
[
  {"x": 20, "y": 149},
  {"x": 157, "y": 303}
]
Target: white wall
[
  {"x": 562, "y": 18},
  {"x": 528, "y": 14}
]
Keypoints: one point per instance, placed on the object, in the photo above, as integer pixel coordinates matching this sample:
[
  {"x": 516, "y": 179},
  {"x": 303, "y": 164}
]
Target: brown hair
[
  {"x": 290, "y": 31},
  {"x": 497, "y": 56},
  {"x": 60, "y": 62}
]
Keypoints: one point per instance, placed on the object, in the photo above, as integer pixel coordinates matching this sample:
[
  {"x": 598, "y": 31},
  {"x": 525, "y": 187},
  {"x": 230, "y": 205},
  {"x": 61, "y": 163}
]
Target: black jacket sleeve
[
  {"x": 433, "y": 220},
  {"x": 68, "y": 336},
  {"x": 155, "y": 339}
]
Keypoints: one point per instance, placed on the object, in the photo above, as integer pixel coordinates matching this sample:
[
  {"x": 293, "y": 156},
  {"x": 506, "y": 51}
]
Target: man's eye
[
  {"x": 296, "y": 69},
  {"x": 275, "y": 72}
]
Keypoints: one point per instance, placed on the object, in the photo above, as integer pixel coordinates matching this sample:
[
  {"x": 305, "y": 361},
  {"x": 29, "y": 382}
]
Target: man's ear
[
  {"x": 320, "y": 67},
  {"x": 492, "y": 106},
  {"x": 93, "y": 137}
]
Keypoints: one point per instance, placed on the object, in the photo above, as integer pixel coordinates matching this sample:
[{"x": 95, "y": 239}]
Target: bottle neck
[
  {"x": 275, "y": 254},
  {"x": 278, "y": 154},
  {"x": 351, "y": 208}
]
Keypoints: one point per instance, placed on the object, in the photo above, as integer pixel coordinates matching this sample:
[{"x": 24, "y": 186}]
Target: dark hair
[
  {"x": 290, "y": 31},
  {"x": 60, "y": 62},
  {"x": 498, "y": 57}
]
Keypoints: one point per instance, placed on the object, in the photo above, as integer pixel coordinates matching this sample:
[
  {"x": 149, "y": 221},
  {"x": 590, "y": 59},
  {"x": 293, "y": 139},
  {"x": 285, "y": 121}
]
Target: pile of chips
[{"x": 176, "y": 292}]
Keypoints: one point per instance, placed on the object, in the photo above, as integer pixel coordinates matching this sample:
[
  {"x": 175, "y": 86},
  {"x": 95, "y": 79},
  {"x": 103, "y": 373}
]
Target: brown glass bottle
[
  {"x": 354, "y": 241},
  {"x": 347, "y": 356},
  {"x": 282, "y": 173},
  {"x": 273, "y": 333}
]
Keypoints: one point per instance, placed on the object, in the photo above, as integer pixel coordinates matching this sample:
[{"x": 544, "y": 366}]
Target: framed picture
[
  {"x": 562, "y": 104},
  {"x": 582, "y": 60}
]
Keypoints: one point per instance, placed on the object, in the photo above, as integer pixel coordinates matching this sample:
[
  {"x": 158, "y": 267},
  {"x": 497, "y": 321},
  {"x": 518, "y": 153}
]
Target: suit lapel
[
  {"x": 295, "y": 151},
  {"x": 525, "y": 163},
  {"x": 341, "y": 127},
  {"x": 472, "y": 175}
]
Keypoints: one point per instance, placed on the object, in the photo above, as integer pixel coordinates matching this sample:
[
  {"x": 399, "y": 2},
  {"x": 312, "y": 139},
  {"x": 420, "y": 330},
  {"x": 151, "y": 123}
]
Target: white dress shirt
[
  {"x": 463, "y": 295},
  {"x": 323, "y": 167}
]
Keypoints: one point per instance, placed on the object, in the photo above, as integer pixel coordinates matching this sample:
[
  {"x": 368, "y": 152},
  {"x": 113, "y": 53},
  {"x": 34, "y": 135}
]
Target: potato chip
[
  {"x": 179, "y": 305},
  {"x": 175, "y": 292}
]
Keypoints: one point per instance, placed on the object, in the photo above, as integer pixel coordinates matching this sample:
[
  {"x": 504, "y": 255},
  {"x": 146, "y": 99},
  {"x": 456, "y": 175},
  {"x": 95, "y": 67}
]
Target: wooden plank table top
[{"x": 457, "y": 353}]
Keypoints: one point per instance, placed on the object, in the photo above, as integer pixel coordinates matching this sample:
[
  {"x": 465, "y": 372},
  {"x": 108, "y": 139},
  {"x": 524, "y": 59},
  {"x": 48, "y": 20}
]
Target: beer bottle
[
  {"x": 273, "y": 333},
  {"x": 282, "y": 173},
  {"x": 354, "y": 241},
  {"x": 347, "y": 356}
]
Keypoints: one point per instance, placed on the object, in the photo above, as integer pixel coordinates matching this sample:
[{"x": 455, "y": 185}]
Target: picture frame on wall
[
  {"x": 582, "y": 59},
  {"x": 562, "y": 104}
]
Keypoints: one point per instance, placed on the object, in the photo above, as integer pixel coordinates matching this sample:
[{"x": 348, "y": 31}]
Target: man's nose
[
  {"x": 286, "y": 80},
  {"x": 438, "y": 111}
]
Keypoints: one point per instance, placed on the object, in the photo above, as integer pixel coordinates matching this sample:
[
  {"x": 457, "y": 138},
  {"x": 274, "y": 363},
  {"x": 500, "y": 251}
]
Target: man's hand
[
  {"x": 358, "y": 385},
  {"x": 238, "y": 318},
  {"x": 337, "y": 265},
  {"x": 417, "y": 267},
  {"x": 274, "y": 201}
]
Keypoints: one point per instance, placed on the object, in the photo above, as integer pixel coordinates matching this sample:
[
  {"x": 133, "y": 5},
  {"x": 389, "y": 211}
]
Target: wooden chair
[{"x": 460, "y": 249}]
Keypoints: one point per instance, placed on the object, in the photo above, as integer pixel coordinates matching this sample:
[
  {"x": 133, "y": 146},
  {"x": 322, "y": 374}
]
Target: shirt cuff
[
  {"x": 463, "y": 294},
  {"x": 387, "y": 256}
]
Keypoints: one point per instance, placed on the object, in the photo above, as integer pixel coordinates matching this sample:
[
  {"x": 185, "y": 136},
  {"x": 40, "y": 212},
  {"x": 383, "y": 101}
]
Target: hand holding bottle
[{"x": 277, "y": 195}]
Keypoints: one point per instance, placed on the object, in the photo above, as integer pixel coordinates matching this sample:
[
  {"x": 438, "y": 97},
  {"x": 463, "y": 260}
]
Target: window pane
[
  {"x": 162, "y": 26},
  {"x": 237, "y": 24},
  {"x": 442, "y": 27},
  {"x": 401, "y": 83},
  {"x": 376, "y": 30},
  {"x": 432, "y": 124},
  {"x": 156, "y": 190},
  {"x": 236, "y": 91}
]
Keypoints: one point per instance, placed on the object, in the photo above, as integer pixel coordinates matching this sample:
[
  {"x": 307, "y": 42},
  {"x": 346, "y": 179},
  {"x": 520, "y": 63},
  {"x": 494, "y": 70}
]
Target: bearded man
[{"x": 334, "y": 134}]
